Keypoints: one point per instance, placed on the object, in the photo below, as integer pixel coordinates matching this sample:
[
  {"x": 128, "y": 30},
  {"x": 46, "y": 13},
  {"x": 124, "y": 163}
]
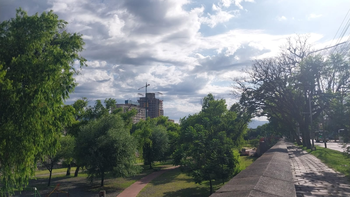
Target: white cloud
[
  {"x": 238, "y": 2},
  {"x": 115, "y": 26},
  {"x": 313, "y": 16},
  {"x": 220, "y": 16},
  {"x": 228, "y": 3},
  {"x": 129, "y": 42},
  {"x": 281, "y": 18}
]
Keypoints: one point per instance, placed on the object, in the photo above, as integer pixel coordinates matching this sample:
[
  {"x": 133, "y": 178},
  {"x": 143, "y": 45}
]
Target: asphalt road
[{"x": 333, "y": 145}]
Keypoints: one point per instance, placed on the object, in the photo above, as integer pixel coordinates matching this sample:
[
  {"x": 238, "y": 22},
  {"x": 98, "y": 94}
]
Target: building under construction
[
  {"x": 154, "y": 107},
  {"x": 141, "y": 111}
]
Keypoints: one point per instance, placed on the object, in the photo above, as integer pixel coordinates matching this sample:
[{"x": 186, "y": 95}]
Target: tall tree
[
  {"x": 206, "y": 142},
  {"x": 106, "y": 146},
  {"x": 296, "y": 86},
  {"x": 66, "y": 152},
  {"x": 156, "y": 138},
  {"x": 82, "y": 116},
  {"x": 36, "y": 76},
  {"x": 158, "y": 146}
]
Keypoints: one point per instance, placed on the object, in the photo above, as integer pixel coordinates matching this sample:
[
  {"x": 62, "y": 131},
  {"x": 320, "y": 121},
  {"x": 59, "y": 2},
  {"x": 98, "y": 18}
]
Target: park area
[{"x": 171, "y": 183}]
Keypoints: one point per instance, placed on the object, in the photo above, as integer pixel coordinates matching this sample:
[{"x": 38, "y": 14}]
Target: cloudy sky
[{"x": 184, "y": 49}]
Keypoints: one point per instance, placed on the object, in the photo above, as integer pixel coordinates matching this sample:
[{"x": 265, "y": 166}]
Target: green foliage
[
  {"x": 36, "y": 76},
  {"x": 286, "y": 87},
  {"x": 156, "y": 138},
  {"x": 265, "y": 130},
  {"x": 253, "y": 142},
  {"x": 105, "y": 146},
  {"x": 66, "y": 152},
  {"x": 158, "y": 146},
  {"x": 206, "y": 142}
]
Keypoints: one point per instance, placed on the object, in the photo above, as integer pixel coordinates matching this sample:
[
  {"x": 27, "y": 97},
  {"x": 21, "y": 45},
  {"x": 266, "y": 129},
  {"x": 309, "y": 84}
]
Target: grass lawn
[
  {"x": 246, "y": 161},
  {"x": 334, "y": 159},
  {"x": 111, "y": 183},
  {"x": 59, "y": 170},
  {"x": 176, "y": 184}
]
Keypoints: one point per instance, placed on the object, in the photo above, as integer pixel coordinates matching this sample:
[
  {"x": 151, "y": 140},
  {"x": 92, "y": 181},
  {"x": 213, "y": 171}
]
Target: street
[{"x": 333, "y": 145}]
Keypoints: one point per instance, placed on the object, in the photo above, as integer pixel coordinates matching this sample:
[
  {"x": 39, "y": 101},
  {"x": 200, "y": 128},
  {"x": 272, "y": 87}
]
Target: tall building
[
  {"x": 154, "y": 107},
  {"x": 141, "y": 111}
]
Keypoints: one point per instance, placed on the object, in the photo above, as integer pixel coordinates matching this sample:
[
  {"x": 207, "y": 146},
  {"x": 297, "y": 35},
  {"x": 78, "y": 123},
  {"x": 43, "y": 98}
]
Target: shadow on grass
[
  {"x": 168, "y": 176},
  {"x": 189, "y": 192}
]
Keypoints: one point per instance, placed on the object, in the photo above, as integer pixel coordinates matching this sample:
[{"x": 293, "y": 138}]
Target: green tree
[
  {"x": 158, "y": 146},
  {"x": 66, "y": 152},
  {"x": 36, "y": 76},
  {"x": 206, "y": 142},
  {"x": 295, "y": 87},
  {"x": 49, "y": 161},
  {"x": 82, "y": 116},
  {"x": 153, "y": 136},
  {"x": 106, "y": 146}
]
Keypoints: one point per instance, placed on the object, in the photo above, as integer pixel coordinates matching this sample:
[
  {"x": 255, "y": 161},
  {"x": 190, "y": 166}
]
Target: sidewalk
[
  {"x": 314, "y": 178},
  {"x": 135, "y": 188}
]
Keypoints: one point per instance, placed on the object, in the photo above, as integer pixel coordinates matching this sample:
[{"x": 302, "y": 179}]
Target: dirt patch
[{"x": 75, "y": 186}]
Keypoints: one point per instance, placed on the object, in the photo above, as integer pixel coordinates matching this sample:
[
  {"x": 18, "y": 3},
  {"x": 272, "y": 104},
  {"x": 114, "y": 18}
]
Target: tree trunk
[
  {"x": 68, "y": 170},
  {"x": 222, "y": 174},
  {"x": 306, "y": 136},
  {"x": 150, "y": 165},
  {"x": 76, "y": 171},
  {"x": 102, "y": 178},
  {"x": 297, "y": 139},
  {"x": 51, "y": 166},
  {"x": 211, "y": 186}
]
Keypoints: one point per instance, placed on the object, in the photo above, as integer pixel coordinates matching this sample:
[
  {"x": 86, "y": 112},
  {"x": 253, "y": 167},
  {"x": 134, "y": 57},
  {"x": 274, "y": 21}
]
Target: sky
[{"x": 185, "y": 49}]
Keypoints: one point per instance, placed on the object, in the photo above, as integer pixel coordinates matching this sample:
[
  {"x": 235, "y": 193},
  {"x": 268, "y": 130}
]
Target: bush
[{"x": 254, "y": 142}]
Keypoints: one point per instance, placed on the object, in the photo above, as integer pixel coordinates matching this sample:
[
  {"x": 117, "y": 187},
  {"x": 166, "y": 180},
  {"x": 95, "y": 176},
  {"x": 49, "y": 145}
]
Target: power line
[
  {"x": 343, "y": 32},
  {"x": 340, "y": 26}
]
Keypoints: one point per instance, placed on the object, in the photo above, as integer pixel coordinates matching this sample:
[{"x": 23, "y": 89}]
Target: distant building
[
  {"x": 141, "y": 111},
  {"x": 171, "y": 120},
  {"x": 155, "y": 106}
]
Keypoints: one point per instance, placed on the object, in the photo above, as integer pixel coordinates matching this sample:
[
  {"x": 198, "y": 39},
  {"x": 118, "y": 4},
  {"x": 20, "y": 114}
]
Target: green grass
[
  {"x": 59, "y": 170},
  {"x": 176, "y": 183},
  {"x": 81, "y": 174},
  {"x": 333, "y": 159},
  {"x": 112, "y": 183},
  {"x": 246, "y": 161}
]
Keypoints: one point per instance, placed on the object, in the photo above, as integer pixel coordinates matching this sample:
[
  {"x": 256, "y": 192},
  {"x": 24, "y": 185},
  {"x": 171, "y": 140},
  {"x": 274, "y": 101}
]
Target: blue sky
[{"x": 184, "y": 49}]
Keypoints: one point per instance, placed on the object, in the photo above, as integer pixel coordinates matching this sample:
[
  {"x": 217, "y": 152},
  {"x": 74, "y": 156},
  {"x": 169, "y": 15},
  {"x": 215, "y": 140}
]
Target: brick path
[
  {"x": 314, "y": 178},
  {"x": 135, "y": 188}
]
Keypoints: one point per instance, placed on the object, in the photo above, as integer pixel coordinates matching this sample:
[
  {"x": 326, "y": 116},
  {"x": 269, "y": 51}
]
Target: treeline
[
  {"x": 103, "y": 140},
  {"x": 37, "y": 68},
  {"x": 301, "y": 90}
]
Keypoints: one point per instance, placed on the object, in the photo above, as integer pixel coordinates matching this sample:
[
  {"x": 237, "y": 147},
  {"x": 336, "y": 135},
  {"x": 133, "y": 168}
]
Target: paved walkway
[
  {"x": 135, "y": 188},
  {"x": 314, "y": 178}
]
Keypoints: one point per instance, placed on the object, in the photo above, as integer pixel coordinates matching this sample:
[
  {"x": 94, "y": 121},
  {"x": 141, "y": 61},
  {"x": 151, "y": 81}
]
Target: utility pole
[{"x": 145, "y": 96}]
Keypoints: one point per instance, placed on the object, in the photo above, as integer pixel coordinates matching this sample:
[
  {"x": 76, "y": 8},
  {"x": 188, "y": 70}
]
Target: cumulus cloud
[
  {"x": 220, "y": 16},
  {"x": 313, "y": 16},
  {"x": 163, "y": 43},
  {"x": 227, "y": 3},
  {"x": 281, "y": 18}
]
